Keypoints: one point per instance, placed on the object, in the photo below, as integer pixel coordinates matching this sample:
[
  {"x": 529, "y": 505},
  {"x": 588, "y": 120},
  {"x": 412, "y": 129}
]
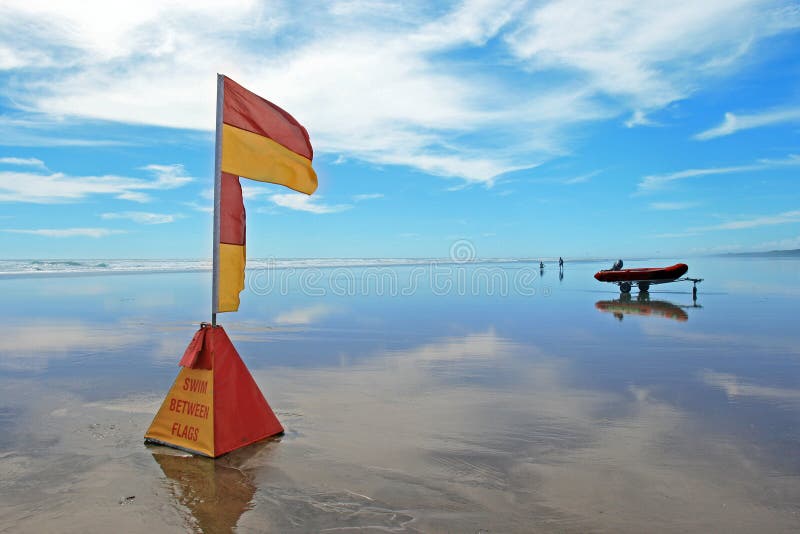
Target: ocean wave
[
  {"x": 103, "y": 266},
  {"x": 45, "y": 267}
]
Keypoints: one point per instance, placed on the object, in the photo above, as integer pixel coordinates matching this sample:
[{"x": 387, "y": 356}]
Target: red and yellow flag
[{"x": 260, "y": 141}]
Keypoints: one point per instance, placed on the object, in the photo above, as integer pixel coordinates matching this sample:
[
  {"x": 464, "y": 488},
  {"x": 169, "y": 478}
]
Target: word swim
[
  {"x": 189, "y": 408},
  {"x": 195, "y": 385},
  {"x": 185, "y": 431}
]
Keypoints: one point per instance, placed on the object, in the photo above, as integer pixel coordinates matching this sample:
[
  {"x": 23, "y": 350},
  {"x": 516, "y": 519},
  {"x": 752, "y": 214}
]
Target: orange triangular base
[{"x": 214, "y": 406}]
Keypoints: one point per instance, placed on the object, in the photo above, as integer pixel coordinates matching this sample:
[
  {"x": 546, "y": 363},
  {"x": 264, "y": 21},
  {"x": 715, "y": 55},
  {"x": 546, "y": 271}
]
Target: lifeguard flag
[
  {"x": 262, "y": 142},
  {"x": 214, "y": 406}
]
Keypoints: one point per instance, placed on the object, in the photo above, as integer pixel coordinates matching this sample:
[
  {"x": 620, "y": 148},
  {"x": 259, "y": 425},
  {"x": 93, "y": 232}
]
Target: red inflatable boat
[
  {"x": 653, "y": 274},
  {"x": 642, "y": 277}
]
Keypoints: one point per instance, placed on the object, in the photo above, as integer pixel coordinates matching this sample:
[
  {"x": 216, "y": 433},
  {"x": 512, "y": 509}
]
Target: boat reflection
[
  {"x": 215, "y": 492},
  {"x": 642, "y": 305}
]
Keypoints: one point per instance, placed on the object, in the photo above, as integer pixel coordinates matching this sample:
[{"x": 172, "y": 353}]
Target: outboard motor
[{"x": 617, "y": 266}]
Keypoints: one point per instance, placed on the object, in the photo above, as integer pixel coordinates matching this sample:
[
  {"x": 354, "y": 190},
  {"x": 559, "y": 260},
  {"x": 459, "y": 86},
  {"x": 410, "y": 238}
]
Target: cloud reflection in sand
[
  {"x": 465, "y": 422},
  {"x": 304, "y": 315},
  {"x": 30, "y": 346},
  {"x": 735, "y": 387}
]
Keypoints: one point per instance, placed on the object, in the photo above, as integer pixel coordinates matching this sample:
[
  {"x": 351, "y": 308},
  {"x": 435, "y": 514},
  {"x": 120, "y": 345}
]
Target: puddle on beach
[{"x": 571, "y": 409}]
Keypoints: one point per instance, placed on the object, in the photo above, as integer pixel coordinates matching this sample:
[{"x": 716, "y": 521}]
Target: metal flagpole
[{"x": 217, "y": 195}]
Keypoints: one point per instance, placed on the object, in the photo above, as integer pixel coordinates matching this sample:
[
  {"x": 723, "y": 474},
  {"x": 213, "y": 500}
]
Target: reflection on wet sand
[
  {"x": 416, "y": 416},
  {"x": 643, "y": 306},
  {"x": 33, "y": 344},
  {"x": 215, "y": 493},
  {"x": 305, "y": 315},
  {"x": 735, "y": 387},
  {"x": 482, "y": 432},
  {"x": 460, "y": 434}
]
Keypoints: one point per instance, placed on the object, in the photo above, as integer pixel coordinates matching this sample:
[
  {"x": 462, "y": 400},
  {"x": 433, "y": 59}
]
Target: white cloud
[
  {"x": 67, "y": 232},
  {"x": 42, "y": 130},
  {"x": 58, "y": 187},
  {"x": 651, "y": 183},
  {"x": 672, "y": 206},
  {"x": 168, "y": 176},
  {"x": 300, "y": 202},
  {"x": 639, "y": 119},
  {"x": 734, "y": 123},
  {"x": 23, "y": 162},
  {"x": 658, "y": 181},
  {"x": 248, "y": 191},
  {"x": 205, "y": 208},
  {"x": 582, "y": 179},
  {"x": 367, "y": 196},
  {"x": 374, "y": 81},
  {"x": 648, "y": 52},
  {"x": 13, "y": 58},
  {"x": 141, "y": 217},
  {"x": 135, "y": 196},
  {"x": 787, "y": 217},
  {"x": 674, "y": 235}
]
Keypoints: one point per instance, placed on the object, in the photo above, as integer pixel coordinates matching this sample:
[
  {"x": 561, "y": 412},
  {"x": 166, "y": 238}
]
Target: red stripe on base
[{"x": 241, "y": 413}]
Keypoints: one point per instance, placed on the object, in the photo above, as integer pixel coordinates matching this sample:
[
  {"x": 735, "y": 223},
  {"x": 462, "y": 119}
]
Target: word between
[{"x": 195, "y": 409}]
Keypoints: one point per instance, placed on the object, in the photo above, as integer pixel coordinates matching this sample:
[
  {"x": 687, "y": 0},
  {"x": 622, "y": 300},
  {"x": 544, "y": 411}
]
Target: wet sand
[{"x": 418, "y": 413}]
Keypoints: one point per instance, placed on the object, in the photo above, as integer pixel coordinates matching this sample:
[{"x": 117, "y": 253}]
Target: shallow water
[{"x": 416, "y": 398}]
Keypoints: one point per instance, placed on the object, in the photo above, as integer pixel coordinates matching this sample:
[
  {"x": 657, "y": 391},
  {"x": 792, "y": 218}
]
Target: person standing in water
[{"x": 560, "y": 262}]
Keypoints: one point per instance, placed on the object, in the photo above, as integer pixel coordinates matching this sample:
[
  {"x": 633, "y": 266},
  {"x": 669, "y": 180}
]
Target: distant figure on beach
[
  {"x": 617, "y": 265},
  {"x": 541, "y": 265},
  {"x": 560, "y": 262}
]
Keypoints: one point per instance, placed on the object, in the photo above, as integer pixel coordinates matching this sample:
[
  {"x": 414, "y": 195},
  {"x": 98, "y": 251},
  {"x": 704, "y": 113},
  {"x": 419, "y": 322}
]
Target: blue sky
[{"x": 533, "y": 129}]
